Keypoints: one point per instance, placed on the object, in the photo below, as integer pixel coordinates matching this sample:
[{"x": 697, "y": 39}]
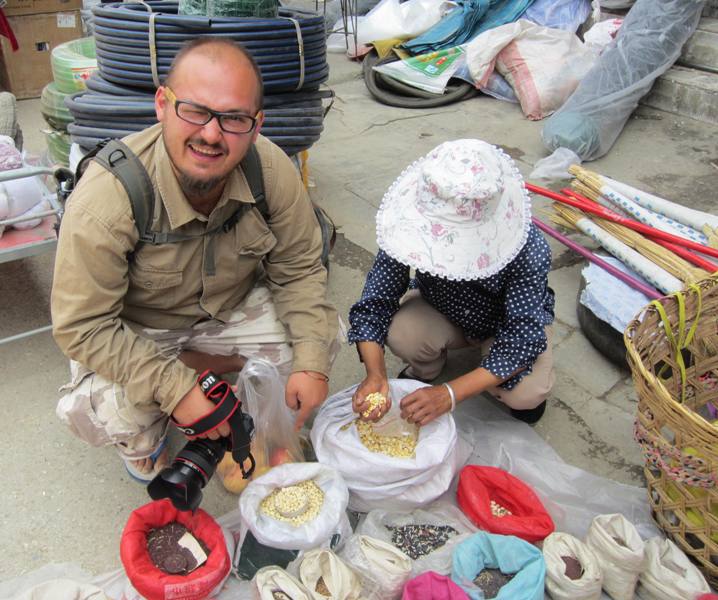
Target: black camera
[{"x": 194, "y": 465}]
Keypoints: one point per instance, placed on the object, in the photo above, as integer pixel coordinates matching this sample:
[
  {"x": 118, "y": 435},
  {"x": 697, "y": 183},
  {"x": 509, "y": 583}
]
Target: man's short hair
[{"x": 227, "y": 43}]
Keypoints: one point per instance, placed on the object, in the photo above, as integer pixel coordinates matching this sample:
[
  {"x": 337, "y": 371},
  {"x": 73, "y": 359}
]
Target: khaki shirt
[{"x": 100, "y": 299}]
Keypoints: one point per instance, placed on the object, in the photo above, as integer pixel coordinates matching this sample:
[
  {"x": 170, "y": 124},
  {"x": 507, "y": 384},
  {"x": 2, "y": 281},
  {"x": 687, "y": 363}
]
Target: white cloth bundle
[
  {"x": 669, "y": 574},
  {"x": 382, "y": 568},
  {"x": 341, "y": 582},
  {"x": 620, "y": 552},
  {"x": 273, "y": 579},
  {"x": 558, "y": 584}
]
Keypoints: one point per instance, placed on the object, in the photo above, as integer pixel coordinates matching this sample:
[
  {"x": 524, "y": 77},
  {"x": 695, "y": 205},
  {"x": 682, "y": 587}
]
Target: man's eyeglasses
[{"x": 230, "y": 122}]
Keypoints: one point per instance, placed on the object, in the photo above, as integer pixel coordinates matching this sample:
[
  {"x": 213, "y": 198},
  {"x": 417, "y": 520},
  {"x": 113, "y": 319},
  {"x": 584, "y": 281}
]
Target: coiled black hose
[
  {"x": 292, "y": 121},
  {"x": 290, "y": 49}
]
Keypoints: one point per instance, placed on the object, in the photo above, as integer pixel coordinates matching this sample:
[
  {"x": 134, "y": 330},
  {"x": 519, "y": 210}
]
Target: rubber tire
[
  {"x": 378, "y": 89},
  {"x": 602, "y": 335}
]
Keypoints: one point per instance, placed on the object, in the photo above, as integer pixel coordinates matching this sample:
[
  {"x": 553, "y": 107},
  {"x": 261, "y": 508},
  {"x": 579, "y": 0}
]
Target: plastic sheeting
[
  {"x": 648, "y": 43},
  {"x": 559, "y": 14},
  {"x": 469, "y": 19}
]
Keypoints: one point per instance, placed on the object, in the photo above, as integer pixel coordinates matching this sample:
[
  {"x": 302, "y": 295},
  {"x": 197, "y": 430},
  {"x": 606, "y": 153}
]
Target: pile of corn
[
  {"x": 375, "y": 400},
  {"x": 294, "y": 504},
  {"x": 499, "y": 511},
  {"x": 402, "y": 446}
]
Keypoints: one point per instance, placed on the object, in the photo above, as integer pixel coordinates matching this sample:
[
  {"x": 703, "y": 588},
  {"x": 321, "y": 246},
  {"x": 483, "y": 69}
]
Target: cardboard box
[
  {"x": 14, "y": 8},
  {"x": 28, "y": 70}
]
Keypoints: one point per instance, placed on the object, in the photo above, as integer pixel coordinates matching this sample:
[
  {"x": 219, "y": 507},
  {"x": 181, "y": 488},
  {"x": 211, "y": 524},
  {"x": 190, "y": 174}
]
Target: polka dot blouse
[{"x": 514, "y": 306}]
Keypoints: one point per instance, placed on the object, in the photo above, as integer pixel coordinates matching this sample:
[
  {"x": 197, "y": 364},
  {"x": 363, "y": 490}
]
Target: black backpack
[{"x": 118, "y": 159}]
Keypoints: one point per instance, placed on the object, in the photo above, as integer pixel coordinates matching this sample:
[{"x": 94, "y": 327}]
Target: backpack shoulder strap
[
  {"x": 252, "y": 168},
  {"x": 119, "y": 160}
]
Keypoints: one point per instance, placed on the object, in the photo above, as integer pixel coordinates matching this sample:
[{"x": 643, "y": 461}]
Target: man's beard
[{"x": 193, "y": 187}]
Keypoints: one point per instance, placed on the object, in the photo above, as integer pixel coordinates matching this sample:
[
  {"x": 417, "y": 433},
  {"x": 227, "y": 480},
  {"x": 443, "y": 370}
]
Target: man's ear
[
  {"x": 258, "y": 126},
  {"x": 161, "y": 103}
]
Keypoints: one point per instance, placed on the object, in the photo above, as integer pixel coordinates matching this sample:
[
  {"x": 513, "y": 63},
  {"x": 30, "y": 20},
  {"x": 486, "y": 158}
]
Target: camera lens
[{"x": 189, "y": 472}]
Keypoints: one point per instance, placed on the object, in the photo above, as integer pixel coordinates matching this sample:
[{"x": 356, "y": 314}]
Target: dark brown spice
[
  {"x": 574, "y": 569},
  {"x": 619, "y": 541},
  {"x": 490, "y": 581},
  {"x": 321, "y": 587},
  {"x": 166, "y": 554}
]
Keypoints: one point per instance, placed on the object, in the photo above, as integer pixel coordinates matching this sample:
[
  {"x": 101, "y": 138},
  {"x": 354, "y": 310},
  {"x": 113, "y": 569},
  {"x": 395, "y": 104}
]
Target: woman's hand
[{"x": 372, "y": 384}]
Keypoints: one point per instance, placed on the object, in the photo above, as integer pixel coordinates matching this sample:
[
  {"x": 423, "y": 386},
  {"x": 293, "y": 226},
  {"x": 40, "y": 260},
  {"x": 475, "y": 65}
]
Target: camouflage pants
[{"x": 97, "y": 410}]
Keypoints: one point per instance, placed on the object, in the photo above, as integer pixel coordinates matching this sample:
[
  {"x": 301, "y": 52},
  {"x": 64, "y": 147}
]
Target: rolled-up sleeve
[
  {"x": 89, "y": 287},
  {"x": 294, "y": 271},
  {"x": 386, "y": 283},
  {"x": 521, "y": 335}
]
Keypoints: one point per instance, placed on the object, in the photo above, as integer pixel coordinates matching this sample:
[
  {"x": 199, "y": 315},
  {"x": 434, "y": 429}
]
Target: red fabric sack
[
  {"x": 432, "y": 586},
  {"x": 153, "y": 583},
  {"x": 478, "y": 486}
]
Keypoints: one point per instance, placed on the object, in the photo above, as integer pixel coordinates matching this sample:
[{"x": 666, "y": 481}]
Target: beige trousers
[
  {"x": 421, "y": 336},
  {"x": 98, "y": 411}
]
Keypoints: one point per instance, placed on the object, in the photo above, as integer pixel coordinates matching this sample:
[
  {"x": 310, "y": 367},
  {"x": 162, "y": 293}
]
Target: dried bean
[
  {"x": 420, "y": 540},
  {"x": 321, "y": 588},
  {"x": 491, "y": 581},
  {"x": 499, "y": 511},
  {"x": 165, "y": 552},
  {"x": 574, "y": 569}
]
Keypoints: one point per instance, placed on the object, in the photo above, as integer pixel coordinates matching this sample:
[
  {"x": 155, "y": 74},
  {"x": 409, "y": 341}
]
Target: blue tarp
[{"x": 465, "y": 22}]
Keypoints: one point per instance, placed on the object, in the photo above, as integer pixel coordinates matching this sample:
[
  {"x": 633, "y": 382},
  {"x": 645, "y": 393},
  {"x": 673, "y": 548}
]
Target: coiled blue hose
[{"x": 290, "y": 49}]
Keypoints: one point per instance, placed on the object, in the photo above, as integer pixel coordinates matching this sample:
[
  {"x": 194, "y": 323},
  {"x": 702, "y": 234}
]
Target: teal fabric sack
[{"x": 507, "y": 553}]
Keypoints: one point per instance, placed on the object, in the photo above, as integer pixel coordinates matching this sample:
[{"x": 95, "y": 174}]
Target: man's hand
[
  {"x": 370, "y": 385},
  {"x": 305, "y": 391},
  {"x": 193, "y": 407},
  {"x": 425, "y": 404}
]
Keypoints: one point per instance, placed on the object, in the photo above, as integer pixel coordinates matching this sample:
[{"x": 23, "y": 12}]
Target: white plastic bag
[
  {"x": 376, "y": 480},
  {"x": 669, "y": 574},
  {"x": 341, "y": 582},
  {"x": 620, "y": 553},
  {"x": 375, "y": 524},
  {"x": 558, "y": 585},
  {"x": 391, "y": 19},
  {"x": 273, "y": 579},
  {"x": 382, "y": 568},
  {"x": 331, "y": 520}
]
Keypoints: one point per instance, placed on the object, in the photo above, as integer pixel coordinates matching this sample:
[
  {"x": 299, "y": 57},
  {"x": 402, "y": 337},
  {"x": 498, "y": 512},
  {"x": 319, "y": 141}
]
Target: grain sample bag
[
  {"x": 561, "y": 584},
  {"x": 269, "y": 582},
  {"x": 510, "y": 555},
  {"x": 325, "y": 575},
  {"x": 263, "y": 535},
  {"x": 432, "y": 586},
  {"x": 619, "y": 550},
  {"x": 668, "y": 573},
  {"x": 377, "y": 480},
  {"x": 498, "y": 502},
  {"x": 155, "y": 584},
  {"x": 382, "y": 568},
  {"x": 427, "y": 535}
]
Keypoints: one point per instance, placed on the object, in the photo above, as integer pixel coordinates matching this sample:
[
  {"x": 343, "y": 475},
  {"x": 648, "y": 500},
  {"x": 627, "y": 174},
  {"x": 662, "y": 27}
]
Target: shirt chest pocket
[
  {"x": 153, "y": 286},
  {"x": 252, "y": 241}
]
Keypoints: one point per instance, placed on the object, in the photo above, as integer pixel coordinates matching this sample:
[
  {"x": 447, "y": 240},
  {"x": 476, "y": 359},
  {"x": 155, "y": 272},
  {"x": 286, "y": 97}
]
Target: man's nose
[{"x": 211, "y": 131}]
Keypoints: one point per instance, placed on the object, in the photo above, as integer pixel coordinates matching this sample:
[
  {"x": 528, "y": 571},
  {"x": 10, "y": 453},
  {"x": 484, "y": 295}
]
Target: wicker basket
[{"x": 673, "y": 355}]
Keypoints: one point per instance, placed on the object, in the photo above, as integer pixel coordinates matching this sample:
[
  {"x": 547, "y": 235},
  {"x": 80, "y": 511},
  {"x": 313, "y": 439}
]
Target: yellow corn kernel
[
  {"x": 402, "y": 446},
  {"x": 375, "y": 400},
  {"x": 295, "y": 504}
]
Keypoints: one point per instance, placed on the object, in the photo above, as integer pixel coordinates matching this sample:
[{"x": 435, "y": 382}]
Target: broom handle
[
  {"x": 684, "y": 253},
  {"x": 646, "y": 290},
  {"x": 611, "y": 216}
]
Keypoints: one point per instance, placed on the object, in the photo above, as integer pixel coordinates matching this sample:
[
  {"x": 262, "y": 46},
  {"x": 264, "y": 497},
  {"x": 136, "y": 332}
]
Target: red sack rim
[
  {"x": 149, "y": 580},
  {"x": 478, "y": 485}
]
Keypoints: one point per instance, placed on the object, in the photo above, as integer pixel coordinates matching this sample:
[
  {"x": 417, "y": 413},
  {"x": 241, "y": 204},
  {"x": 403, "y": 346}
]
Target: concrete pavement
[{"x": 63, "y": 501}]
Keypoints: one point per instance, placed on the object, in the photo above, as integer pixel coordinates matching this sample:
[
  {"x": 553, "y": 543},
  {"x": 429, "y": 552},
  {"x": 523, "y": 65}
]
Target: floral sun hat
[{"x": 462, "y": 212}]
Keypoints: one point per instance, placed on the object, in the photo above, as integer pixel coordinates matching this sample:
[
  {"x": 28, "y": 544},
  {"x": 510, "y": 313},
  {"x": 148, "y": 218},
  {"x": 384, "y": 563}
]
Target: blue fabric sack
[
  {"x": 465, "y": 22},
  {"x": 559, "y": 14},
  {"x": 507, "y": 553}
]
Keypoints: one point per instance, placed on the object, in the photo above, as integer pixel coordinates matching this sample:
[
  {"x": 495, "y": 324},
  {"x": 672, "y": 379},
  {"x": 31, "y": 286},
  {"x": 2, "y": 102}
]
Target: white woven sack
[
  {"x": 382, "y": 568},
  {"x": 376, "y": 480},
  {"x": 273, "y": 579},
  {"x": 375, "y": 524},
  {"x": 669, "y": 574},
  {"x": 558, "y": 585},
  {"x": 340, "y": 580},
  {"x": 621, "y": 563},
  {"x": 332, "y": 518}
]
